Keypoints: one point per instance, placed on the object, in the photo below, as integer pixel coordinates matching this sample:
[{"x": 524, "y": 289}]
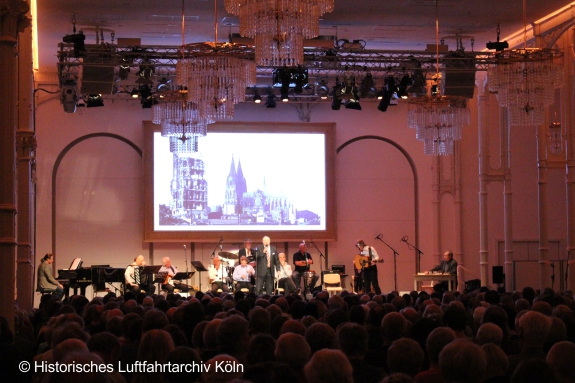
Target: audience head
[
  {"x": 489, "y": 333},
  {"x": 352, "y": 340},
  {"x": 329, "y": 366},
  {"x": 497, "y": 361},
  {"x": 436, "y": 341},
  {"x": 285, "y": 346},
  {"x": 319, "y": 336},
  {"x": 406, "y": 356},
  {"x": 462, "y": 361},
  {"x": 560, "y": 360}
]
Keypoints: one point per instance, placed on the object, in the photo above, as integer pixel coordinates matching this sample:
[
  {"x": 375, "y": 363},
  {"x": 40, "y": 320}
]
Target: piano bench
[{"x": 43, "y": 291}]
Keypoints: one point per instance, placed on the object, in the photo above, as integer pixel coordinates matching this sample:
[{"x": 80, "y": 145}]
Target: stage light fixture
[
  {"x": 418, "y": 89},
  {"x": 367, "y": 87},
  {"x": 257, "y": 97},
  {"x": 385, "y": 101},
  {"x": 69, "y": 95},
  {"x": 336, "y": 100},
  {"x": 94, "y": 100},
  {"x": 147, "y": 99},
  {"x": 403, "y": 84},
  {"x": 322, "y": 89},
  {"x": 271, "y": 102}
]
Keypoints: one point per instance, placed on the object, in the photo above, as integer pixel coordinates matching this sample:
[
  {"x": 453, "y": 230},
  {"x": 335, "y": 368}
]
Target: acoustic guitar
[{"x": 361, "y": 262}]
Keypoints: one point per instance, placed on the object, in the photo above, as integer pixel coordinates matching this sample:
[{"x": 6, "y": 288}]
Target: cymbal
[{"x": 227, "y": 254}]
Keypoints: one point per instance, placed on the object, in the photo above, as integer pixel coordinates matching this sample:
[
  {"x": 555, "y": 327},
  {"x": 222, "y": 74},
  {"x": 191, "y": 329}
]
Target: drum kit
[{"x": 228, "y": 259}]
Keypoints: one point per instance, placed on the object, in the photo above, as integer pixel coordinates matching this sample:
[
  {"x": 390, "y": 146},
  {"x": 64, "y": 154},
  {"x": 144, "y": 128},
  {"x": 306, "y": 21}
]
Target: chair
[{"x": 332, "y": 283}]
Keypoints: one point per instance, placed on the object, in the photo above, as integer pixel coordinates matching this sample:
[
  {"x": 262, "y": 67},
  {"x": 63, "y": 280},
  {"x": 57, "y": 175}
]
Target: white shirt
[
  {"x": 218, "y": 275},
  {"x": 284, "y": 271},
  {"x": 365, "y": 252}
]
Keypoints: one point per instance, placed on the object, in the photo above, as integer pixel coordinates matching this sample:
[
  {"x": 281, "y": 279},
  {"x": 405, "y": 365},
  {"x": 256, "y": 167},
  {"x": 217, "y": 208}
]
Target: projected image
[{"x": 242, "y": 181}]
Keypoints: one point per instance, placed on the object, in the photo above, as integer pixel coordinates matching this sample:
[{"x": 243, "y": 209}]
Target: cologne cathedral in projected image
[{"x": 189, "y": 204}]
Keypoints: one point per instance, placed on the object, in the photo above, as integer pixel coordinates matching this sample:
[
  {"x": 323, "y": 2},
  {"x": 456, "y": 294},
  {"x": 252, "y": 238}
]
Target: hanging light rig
[{"x": 437, "y": 119}]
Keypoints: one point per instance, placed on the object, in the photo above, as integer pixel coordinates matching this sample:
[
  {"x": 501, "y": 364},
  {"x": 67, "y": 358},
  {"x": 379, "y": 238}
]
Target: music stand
[
  {"x": 183, "y": 275},
  {"x": 199, "y": 266}
]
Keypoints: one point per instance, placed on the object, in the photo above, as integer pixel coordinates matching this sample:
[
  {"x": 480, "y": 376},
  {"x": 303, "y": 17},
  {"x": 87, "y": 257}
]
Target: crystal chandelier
[
  {"x": 525, "y": 80},
  {"x": 279, "y": 27},
  {"x": 180, "y": 121},
  {"x": 437, "y": 122},
  {"x": 217, "y": 75},
  {"x": 437, "y": 119}
]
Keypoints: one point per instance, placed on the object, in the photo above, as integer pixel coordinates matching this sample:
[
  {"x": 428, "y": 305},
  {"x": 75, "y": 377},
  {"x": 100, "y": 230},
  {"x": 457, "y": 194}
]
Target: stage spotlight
[
  {"x": 271, "y": 102},
  {"x": 94, "y": 100},
  {"x": 352, "y": 104},
  {"x": 385, "y": 101},
  {"x": 336, "y": 100},
  {"x": 418, "y": 89},
  {"x": 69, "y": 96},
  {"x": 403, "y": 84},
  {"x": 147, "y": 99},
  {"x": 367, "y": 87},
  {"x": 257, "y": 97},
  {"x": 322, "y": 89}
]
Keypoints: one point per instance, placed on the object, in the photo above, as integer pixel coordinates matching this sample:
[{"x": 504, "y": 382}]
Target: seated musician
[
  {"x": 218, "y": 275},
  {"x": 447, "y": 266},
  {"x": 242, "y": 275},
  {"x": 170, "y": 271},
  {"x": 283, "y": 275},
  {"x": 302, "y": 261},
  {"x": 135, "y": 280},
  {"x": 46, "y": 280}
]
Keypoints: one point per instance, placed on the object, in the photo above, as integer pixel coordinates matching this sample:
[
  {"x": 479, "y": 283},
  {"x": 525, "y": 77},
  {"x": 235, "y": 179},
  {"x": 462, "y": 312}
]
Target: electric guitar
[{"x": 362, "y": 262}]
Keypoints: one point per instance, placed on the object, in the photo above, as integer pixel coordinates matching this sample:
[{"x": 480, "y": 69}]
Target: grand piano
[{"x": 78, "y": 277}]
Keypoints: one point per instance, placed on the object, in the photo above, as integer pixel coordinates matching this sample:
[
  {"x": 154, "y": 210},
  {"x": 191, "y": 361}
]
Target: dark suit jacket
[
  {"x": 449, "y": 267},
  {"x": 242, "y": 253},
  {"x": 262, "y": 262}
]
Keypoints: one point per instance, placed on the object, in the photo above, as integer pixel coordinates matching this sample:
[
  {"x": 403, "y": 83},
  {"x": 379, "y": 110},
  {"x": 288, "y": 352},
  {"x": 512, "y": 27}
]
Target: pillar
[{"x": 13, "y": 20}]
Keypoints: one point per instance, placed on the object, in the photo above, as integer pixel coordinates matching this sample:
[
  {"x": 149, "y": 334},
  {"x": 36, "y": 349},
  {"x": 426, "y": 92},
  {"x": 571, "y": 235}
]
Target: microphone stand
[
  {"x": 320, "y": 263},
  {"x": 419, "y": 252},
  {"x": 567, "y": 268},
  {"x": 395, "y": 253},
  {"x": 552, "y": 276}
]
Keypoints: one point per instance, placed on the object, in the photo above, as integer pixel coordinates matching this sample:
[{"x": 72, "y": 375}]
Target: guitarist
[
  {"x": 170, "y": 271},
  {"x": 369, "y": 273}
]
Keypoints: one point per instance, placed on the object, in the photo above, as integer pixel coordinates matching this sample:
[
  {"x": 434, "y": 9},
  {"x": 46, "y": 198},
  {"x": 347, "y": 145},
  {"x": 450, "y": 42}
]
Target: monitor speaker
[{"x": 498, "y": 276}]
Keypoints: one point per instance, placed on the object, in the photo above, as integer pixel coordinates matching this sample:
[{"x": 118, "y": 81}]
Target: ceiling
[{"x": 383, "y": 25}]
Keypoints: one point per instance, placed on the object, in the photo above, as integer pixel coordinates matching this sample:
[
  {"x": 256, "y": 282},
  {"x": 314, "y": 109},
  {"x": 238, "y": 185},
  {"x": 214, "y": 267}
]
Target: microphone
[
  {"x": 378, "y": 236},
  {"x": 405, "y": 238},
  {"x": 184, "y": 247}
]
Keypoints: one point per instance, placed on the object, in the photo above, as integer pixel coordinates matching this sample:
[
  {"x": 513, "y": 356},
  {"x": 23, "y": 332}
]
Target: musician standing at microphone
[
  {"x": 370, "y": 270},
  {"x": 302, "y": 261},
  {"x": 266, "y": 258}
]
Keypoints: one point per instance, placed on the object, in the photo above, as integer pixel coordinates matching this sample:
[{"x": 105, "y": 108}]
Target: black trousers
[
  {"x": 266, "y": 280},
  {"x": 370, "y": 278},
  {"x": 244, "y": 285}
]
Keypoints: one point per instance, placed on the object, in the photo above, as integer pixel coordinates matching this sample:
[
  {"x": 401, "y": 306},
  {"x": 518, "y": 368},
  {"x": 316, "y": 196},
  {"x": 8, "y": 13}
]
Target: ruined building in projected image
[{"x": 189, "y": 189}]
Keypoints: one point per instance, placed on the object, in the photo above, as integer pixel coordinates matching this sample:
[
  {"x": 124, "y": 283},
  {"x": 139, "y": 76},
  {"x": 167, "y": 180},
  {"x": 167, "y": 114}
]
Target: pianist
[
  {"x": 46, "y": 280},
  {"x": 169, "y": 272},
  {"x": 135, "y": 279}
]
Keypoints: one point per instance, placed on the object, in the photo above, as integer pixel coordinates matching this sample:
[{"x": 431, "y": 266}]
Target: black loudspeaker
[
  {"x": 498, "y": 276},
  {"x": 472, "y": 285},
  {"x": 99, "y": 78},
  {"x": 458, "y": 77}
]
